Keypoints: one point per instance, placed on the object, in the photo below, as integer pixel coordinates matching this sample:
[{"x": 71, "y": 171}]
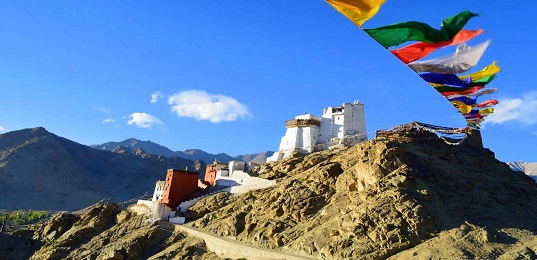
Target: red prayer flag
[
  {"x": 466, "y": 92},
  {"x": 419, "y": 50},
  {"x": 487, "y": 103}
]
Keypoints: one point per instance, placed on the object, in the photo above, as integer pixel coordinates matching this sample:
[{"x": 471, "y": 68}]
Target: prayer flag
[
  {"x": 462, "y": 60},
  {"x": 465, "y": 92},
  {"x": 395, "y": 34},
  {"x": 486, "y": 103},
  {"x": 464, "y": 99},
  {"x": 358, "y": 11},
  {"x": 419, "y": 50},
  {"x": 487, "y": 71},
  {"x": 482, "y": 92},
  {"x": 444, "y": 79}
]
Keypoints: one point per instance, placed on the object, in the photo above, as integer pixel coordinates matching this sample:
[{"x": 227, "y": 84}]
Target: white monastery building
[
  {"x": 344, "y": 125},
  {"x": 159, "y": 189}
]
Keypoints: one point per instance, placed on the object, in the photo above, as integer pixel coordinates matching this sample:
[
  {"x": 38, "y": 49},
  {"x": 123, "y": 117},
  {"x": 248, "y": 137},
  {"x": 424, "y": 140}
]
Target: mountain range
[
  {"x": 40, "y": 170},
  {"x": 527, "y": 168},
  {"x": 191, "y": 154}
]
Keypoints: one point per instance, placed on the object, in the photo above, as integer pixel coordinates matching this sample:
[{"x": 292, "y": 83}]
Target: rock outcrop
[
  {"x": 385, "y": 197},
  {"x": 101, "y": 232}
]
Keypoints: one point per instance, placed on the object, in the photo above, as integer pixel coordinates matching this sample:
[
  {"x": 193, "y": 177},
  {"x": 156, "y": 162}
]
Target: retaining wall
[{"x": 225, "y": 247}]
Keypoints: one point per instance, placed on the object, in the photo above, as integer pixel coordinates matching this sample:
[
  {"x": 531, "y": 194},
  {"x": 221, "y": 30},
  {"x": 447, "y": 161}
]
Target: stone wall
[{"x": 228, "y": 248}]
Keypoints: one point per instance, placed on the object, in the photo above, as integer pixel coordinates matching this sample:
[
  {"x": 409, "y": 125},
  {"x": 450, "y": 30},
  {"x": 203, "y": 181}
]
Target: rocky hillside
[
  {"x": 39, "y": 170},
  {"x": 411, "y": 197},
  {"x": 408, "y": 196},
  {"x": 101, "y": 232}
]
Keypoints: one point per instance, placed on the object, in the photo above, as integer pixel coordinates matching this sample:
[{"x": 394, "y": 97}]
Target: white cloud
[
  {"x": 204, "y": 106},
  {"x": 108, "y": 120},
  {"x": 155, "y": 97},
  {"x": 522, "y": 110},
  {"x": 103, "y": 109},
  {"x": 143, "y": 120},
  {"x": 2, "y": 129}
]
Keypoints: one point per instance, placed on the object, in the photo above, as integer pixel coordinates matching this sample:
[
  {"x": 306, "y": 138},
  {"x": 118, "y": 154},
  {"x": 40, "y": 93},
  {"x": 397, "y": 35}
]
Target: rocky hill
[
  {"x": 411, "y": 197},
  {"x": 406, "y": 196},
  {"x": 39, "y": 170},
  {"x": 101, "y": 232}
]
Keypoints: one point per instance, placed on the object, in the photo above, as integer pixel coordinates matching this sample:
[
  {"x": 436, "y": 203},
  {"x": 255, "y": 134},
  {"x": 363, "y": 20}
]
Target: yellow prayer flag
[
  {"x": 487, "y": 71},
  {"x": 463, "y": 108},
  {"x": 486, "y": 111},
  {"x": 358, "y": 11}
]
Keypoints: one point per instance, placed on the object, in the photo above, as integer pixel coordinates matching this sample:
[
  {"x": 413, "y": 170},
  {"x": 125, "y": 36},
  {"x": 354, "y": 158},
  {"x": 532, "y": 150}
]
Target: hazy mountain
[
  {"x": 256, "y": 157},
  {"x": 197, "y": 154},
  {"x": 527, "y": 168},
  {"x": 154, "y": 148},
  {"x": 132, "y": 143},
  {"x": 531, "y": 169},
  {"x": 40, "y": 170}
]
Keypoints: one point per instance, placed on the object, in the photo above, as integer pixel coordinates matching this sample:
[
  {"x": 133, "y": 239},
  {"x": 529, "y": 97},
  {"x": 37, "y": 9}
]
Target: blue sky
[{"x": 87, "y": 70}]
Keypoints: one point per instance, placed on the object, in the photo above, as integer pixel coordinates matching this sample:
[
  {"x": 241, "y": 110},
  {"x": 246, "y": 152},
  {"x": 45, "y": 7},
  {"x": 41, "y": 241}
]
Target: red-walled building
[
  {"x": 178, "y": 186},
  {"x": 212, "y": 170}
]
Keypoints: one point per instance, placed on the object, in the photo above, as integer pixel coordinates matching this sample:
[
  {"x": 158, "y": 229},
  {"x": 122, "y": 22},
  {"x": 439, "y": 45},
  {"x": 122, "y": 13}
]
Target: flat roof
[{"x": 183, "y": 171}]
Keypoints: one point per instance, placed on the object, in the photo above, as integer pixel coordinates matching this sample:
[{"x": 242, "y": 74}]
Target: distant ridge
[
  {"x": 256, "y": 157},
  {"x": 40, "y": 170},
  {"x": 131, "y": 143},
  {"x": 527, "y": 168},
  {"x": 191, "y": 154}
]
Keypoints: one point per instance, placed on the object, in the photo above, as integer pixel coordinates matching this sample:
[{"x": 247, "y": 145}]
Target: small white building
[
  {"x": 159, "y": 189},
  {"x": 235, "y": 174},
  {"x": 344, "y": 125}
]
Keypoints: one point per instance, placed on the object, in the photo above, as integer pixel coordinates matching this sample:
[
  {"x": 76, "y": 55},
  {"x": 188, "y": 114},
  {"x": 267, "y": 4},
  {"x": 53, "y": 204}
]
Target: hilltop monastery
[
  {"x": 338, "y": 126},
  {"x": 344, "y": 125}
]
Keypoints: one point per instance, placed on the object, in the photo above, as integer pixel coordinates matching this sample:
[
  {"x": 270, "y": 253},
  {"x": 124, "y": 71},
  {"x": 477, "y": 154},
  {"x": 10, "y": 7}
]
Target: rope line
[{"x": 450, "y": 135}]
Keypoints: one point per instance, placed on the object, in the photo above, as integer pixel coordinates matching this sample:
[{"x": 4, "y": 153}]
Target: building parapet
[{"x": 302, "y": 123}]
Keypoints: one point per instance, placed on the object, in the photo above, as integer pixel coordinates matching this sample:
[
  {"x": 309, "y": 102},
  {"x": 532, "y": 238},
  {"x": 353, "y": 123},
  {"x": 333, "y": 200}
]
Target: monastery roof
[
  {"x": 182, "y": 171},
  {"x": 302, "y": 122}
]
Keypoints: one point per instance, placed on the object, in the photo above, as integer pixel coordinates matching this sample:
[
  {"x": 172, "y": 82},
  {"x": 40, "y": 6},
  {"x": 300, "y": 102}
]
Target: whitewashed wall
[
  {"x": 343, "y": 123},
  {"x": 159, "y": 189}
]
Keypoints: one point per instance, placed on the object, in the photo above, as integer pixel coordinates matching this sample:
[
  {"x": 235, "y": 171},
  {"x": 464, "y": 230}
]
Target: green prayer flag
[
  {"x": 483, "y": 81},
  {"x": 398, "y": 33}
]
